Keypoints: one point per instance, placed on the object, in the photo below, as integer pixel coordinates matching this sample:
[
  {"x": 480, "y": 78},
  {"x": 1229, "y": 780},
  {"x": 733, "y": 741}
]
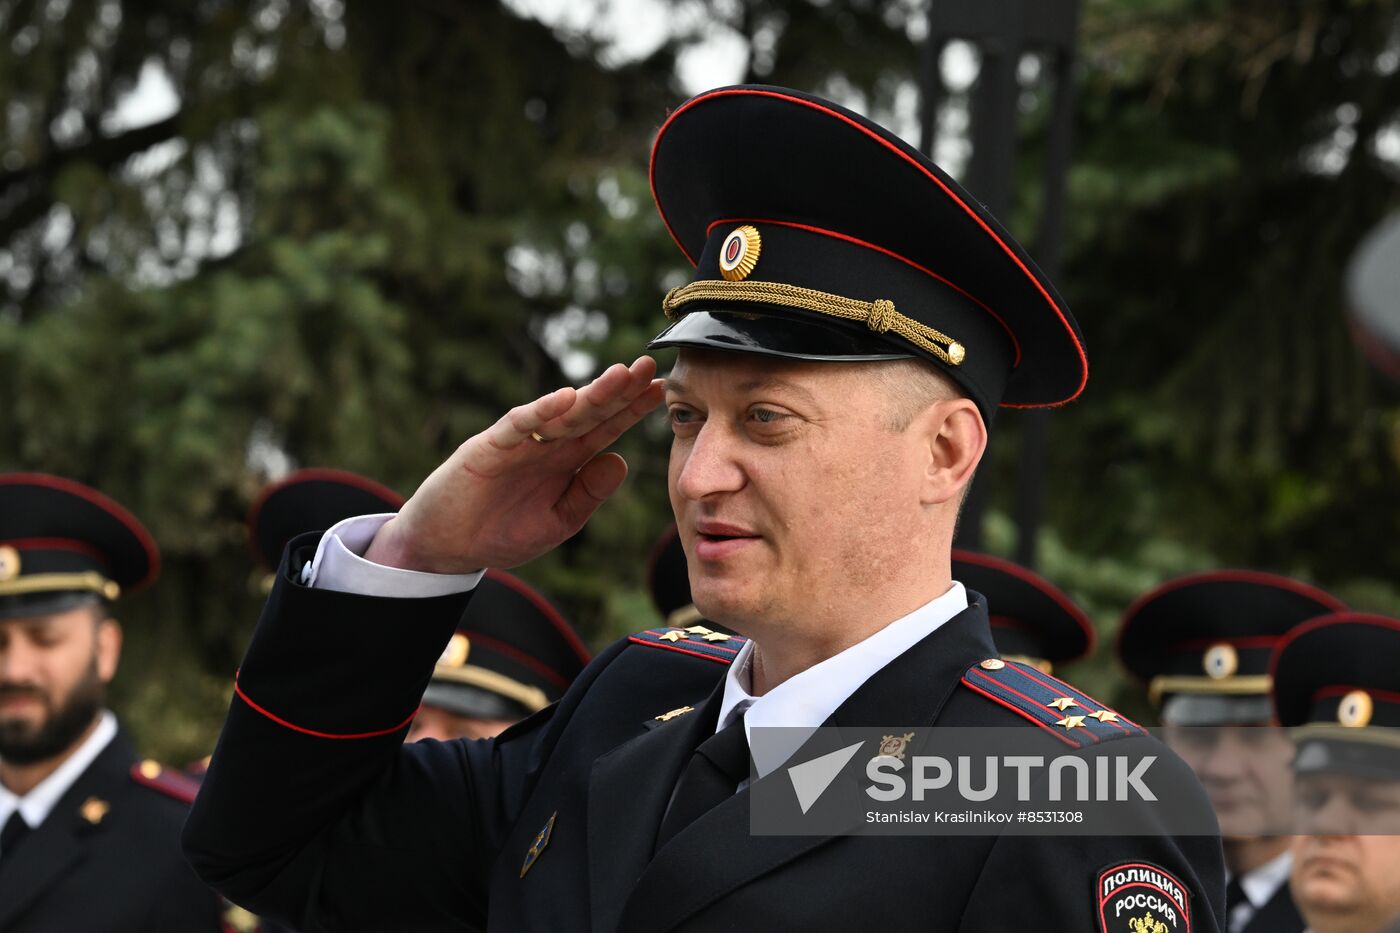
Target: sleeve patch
[
  {"x": 1139, "y": 897},
  {"x": 695, "y": 640}
]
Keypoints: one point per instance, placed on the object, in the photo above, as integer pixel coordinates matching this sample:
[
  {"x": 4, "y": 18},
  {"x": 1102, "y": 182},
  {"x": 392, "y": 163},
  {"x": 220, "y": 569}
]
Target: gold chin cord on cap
[
  {"x": 89, "y": 580},
  {"x": 879, "y": 315}
]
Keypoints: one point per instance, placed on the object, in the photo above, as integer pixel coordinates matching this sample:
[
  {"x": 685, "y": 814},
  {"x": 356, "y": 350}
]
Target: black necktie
[
  {"x": 713, "y": 774},
  {"x": 15, "y": 830},
  {"x": 1234, "y": 896}
]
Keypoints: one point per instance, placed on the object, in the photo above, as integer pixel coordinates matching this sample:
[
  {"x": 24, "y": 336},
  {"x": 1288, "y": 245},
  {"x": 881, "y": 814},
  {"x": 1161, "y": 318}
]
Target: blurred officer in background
[
  {"x": 1202, "y": 644},
  {"x": 1337, "y": 686},
  {"x": 1033, "y": 621},
  {"x": 89, "y": 835},
  {"x": 512, "y": 655}
]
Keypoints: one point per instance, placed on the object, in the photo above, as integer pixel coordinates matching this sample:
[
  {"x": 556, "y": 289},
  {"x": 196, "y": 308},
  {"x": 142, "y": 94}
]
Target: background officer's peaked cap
[
  {"x": 1032, "y": 619},
  {"x": 817, "y": 234},
  {"x": 512, "y": 655},
  {"x": 1202, "y": 642},
  {"x": 312, "y": 500},
  {"x": 63, "y": 544},
  {"x": 1337, "y": 684}
]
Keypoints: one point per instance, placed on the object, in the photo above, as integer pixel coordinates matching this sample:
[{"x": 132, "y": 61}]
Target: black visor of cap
[
  {"x": 1209, "y": 709},
  {"x": 819, "y": 182},
  {"x": 476, "y": 702}
]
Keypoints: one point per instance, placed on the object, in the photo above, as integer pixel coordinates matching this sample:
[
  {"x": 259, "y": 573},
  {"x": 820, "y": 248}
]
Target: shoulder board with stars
[
  {"x": 695, "y": 640},
  {"x": 169, "y": 781},
  {"x": 1071, "y": 715}
]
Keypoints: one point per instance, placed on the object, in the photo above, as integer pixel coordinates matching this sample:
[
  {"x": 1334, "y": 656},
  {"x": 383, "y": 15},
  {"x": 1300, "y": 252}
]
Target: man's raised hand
[{"x": 504, "y": 497}]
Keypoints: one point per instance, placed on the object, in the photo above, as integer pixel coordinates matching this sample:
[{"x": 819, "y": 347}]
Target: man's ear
[
  {"x": 109, "y": 648},
  {"x": 957, "y": 438}
]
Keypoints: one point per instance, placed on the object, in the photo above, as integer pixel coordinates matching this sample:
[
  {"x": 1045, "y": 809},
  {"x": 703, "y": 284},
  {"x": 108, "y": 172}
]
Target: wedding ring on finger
[{"x": 539, "y": 438}]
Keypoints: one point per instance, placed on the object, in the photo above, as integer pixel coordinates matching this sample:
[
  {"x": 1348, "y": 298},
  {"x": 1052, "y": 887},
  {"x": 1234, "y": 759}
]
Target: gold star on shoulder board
[
  {"x": 667, "y": 717},
  {"x": 698, "y": 630},
  {"x": 1105, "y": 715},
  {"x": 716, "y": 636},
  {"x": 674, "y": 634},
  {"x": 1072, "y": 722},
  {"x": 1062, "y": 703}
]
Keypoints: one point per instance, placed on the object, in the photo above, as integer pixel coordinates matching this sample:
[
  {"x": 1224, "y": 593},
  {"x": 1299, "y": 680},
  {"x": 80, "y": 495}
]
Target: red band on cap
[
  {"x": 56, "y": 544},
  {"x": 515, "y": 654},
  {"x": 1340, "y": 690}
]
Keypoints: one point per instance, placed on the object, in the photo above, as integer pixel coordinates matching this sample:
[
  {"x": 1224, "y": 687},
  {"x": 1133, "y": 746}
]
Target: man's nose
[
  {"x": 18, "y": 663},
  {"x": 709, "y": 465}
]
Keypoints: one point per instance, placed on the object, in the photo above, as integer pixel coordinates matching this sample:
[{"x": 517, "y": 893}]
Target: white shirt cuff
[{"x": 340, "y": 566}]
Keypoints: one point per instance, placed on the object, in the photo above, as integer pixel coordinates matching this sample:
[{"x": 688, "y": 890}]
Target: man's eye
[
  {"x": 681, "y": 415},
  {"x": 1312, "y": 799},
  {"x": 766, "y": 415}
]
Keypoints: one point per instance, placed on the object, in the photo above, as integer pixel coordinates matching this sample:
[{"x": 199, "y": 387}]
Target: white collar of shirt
[
  {"x": 807, "y": 699},
  {"x": 1260, "y": 884},
  {"x": 36, "y": 805}
]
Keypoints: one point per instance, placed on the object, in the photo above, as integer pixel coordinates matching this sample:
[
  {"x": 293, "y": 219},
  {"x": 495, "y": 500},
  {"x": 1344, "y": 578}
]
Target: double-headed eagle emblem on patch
[{"x": 1146, "y": 924}]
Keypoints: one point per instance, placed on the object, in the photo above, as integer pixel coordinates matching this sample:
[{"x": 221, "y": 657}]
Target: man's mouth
[
  {"x": 17, "y": 700},
  {"x": 717, "y": 540}
]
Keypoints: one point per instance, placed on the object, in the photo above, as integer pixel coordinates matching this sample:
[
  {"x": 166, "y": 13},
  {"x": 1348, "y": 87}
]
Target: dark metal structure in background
[{"x": 1003, "y": 31}]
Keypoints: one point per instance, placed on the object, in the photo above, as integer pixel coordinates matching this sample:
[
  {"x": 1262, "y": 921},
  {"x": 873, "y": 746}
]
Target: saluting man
[
  {"x": 90, "y": 837},
  {"x": 855, "y": 321},
  {"x": 1202, "y": 644}
]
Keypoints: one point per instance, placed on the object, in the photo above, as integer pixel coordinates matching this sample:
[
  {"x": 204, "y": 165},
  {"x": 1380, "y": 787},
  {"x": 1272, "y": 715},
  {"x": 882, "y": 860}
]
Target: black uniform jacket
[
  {"x": 313, "y": 812},
  {"x": 107, "y": 860}
]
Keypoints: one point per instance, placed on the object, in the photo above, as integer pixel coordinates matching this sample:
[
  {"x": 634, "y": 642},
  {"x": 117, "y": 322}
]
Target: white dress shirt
[
  {"x": 1259, "y": 886},
  {"x": 35, "y": 806}
]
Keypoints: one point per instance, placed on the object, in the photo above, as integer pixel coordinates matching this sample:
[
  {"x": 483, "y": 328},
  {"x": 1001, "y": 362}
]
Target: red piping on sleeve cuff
[{"x": 320, "y": 735}]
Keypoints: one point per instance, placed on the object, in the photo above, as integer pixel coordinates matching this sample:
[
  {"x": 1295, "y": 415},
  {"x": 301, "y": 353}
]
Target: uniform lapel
[
  {"x": 624, "y": 812},
  {"x": 717, "y": 853},
  {"x": 61, "y": 842}
]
